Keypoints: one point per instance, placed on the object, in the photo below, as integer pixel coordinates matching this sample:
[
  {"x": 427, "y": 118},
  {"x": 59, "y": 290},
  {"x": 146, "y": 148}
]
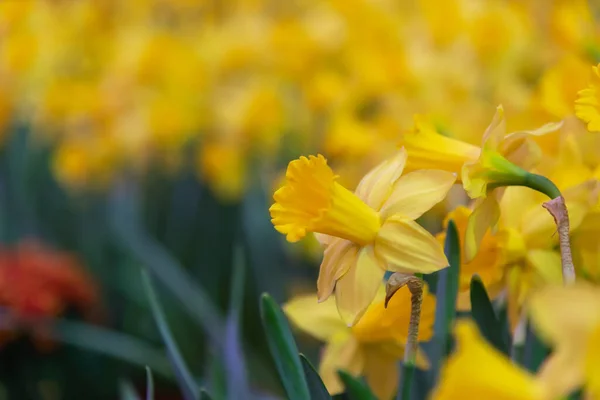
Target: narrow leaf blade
[
  {"x": 484, "y": 315},
  {"x": 316, "y": 386},
  {"x": 149, "y": 384},
  {"x": 355, "y": 388},
  {"x": 283, "y": 349}
]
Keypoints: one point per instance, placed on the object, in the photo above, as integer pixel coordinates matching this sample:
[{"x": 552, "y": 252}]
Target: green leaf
[
  {"x": 534, "y": 351},
  {"x": 316, "y": 386},
  {"x": 446, "y": 293},
  {"x": 110, "y": 343},
  {"x": 484, "y": 315},
  {"x": 355, "y": 388},
  {"x": 283, "y": 349},
  {"x": 186, "y": 381},
  {"x": 204, "y": 395},
  {"x": 127, "y": 391},
  {"x": 149, "y": 385}
]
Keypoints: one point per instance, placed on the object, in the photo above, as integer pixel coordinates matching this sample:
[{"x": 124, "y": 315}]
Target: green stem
[{"x": 541, "y": 184}]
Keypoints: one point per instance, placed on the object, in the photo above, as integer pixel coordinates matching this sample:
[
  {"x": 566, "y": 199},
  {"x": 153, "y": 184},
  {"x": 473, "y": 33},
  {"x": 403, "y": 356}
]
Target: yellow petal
[
  {"x": 376, "y": 186},
  {"x": 338, "y": 257},
  {"x": 547, "y": 264},
  {"x": 355, "y": 291},
  {"x": 495, "y": 132},
  {"x": 342, "y": 352},
  {"x": 484, "y": 216},
  {"x": 416, "y": 192},
  {"x": 390, "y": 324},
  {"x": 381, "y": 372},
  {"x": 408, "y": 248},
  {"x": 320, "y": 320},
  {"x": 552, "y": 312},
  {"x": 478, "y": 371},
  {"x": 592, "y": 364},
  {"x": 562, "y": 372}
]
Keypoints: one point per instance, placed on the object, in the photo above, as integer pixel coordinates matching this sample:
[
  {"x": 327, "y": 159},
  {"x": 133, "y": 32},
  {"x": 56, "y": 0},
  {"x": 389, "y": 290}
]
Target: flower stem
[
  {"x": 558, "y": 209},
  {"x": 412, "y": 344},
  {"x": 415, "y": 285}
]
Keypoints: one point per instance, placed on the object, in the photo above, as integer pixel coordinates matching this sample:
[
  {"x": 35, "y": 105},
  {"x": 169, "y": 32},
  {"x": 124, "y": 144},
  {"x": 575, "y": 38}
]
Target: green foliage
[
  {"x": 283, "y": 349},
  {"x": 485, "y": 317},
  {"x": 316, "y": 387},
  {"x": 446, "y": 294},
  {"x": 356, "y": 389},
  {"x": 149, "y": 385}
]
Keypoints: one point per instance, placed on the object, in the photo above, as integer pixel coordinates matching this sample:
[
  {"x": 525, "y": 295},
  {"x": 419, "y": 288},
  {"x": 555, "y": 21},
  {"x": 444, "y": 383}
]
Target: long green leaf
[
  {"x": 149, "y": 384},
  {"x": 446, "y": 293},
  {"x": 283, "y": 349},
  {"x": 484, "y": 315},
  {"x": 125, "y": 222},
  {"x": 127, "y": 391},
  {"x": 186, "y": 381},
  {"x": 355, "y": 388},
  {"x": 234, "y": 361},
  {"x": 204, "y": 395},
  {"x": 316, "y": 386},
  {"x": 114, "y": 344}
]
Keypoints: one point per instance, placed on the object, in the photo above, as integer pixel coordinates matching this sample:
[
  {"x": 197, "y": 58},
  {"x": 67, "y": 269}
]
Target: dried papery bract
[
  {"x": 558, "y": 209},
  {"x": 415, "y": 285}
]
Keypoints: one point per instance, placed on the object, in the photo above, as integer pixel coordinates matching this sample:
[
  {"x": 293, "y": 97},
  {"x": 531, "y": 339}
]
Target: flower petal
[
  {"x": 495, "y": 132},
  {"x": 338, "y": 257},
  {"x": 547, "y": 264},
  {"x": 355, "y": 291},
  {"x": 416, "y": 192},
  {"x": 381, "y": 372},
  {"x": 376, "y": 186},
  {"x": 320, "y": 320},
  {"x": 408, "y": 248},
  {"x": 484, "y": 216},
  {"x": 342, "y": 352}
]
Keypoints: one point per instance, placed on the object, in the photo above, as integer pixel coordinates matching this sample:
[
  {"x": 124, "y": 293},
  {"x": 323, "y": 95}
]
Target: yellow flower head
[
  {"x": 488, "y": 263},
  {"x": 478, "y": 371},
  {"x": 427, "y": 148},
  {"x": 367, "y": 232},
  {"x": 587, "y": 105},
  {"x": 373, "y": 347},
  {"x": 504, "y": 161},
  {"x": 568, "y": 318}
]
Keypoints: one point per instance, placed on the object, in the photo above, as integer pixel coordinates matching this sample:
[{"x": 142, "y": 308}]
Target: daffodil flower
[
  {"x": 488, "y": 263},
  {"x": 504, "y": 161},
  {"x": 373, "y": 347},
  {"x": 568, "y": 318},
  {"x": 367, "y": 232},
  {"x": 587, "y": 105},
  {"x": 479, "y": 371}
]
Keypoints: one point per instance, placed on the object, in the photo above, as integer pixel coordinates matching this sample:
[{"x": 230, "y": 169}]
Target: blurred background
[{"x": 149, "y": 135}]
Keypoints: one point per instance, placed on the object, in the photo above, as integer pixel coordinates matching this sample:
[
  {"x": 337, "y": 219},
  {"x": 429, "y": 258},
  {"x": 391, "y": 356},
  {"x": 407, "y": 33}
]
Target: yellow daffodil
[
  {"x": 373, "y": 347},
  {"x": 527, "y": 238},
  {"x": 488, "y": 263},
  {"x": 569, "y": 319},
  {"x": 478, "y": 371},
  {"x": 367, "y": 232},
  {"x": 587, "y": 105},
  {"x": 504, "y": 160},
  {"x": 428, "y": 149}
]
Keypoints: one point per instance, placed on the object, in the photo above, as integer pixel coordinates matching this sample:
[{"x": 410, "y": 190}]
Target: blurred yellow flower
[
  {"x": 367, "y": 232},
  {"x": 488, "y": 263},
  {"x": 478, "y": 371},
  {"x": 587, "y": 105},
  {"x": 373, "y": 347},
  {"x": 560, "y": 84},
  {"x": 569, "y": 319}
]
